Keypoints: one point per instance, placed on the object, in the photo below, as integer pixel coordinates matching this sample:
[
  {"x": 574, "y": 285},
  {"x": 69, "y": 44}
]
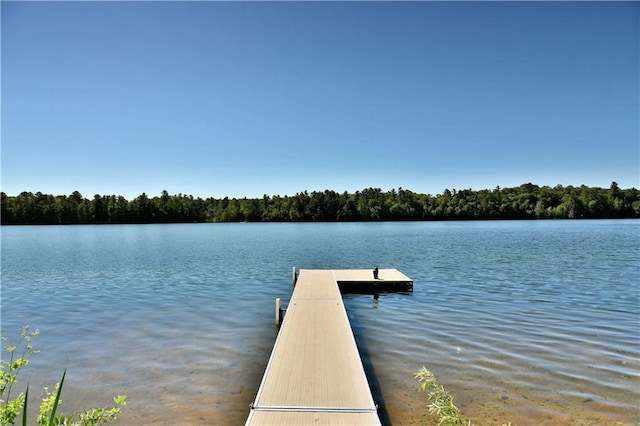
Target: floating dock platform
[
  {"x": 315, "y": 374},
  {"x": 362, "y": 281}
]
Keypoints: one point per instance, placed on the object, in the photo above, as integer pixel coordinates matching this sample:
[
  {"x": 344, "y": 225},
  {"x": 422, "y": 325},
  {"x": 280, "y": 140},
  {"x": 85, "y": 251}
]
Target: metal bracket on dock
[{"x": 299, "y": 409}]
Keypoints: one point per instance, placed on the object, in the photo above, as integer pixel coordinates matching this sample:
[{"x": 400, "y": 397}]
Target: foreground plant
[
  {"x": 440, "y": 401},
  {"x": 11, "y": 408}
]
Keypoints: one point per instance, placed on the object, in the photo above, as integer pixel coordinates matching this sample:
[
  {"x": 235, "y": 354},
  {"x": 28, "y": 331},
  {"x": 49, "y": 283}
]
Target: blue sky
[{"x": 245, "y": 99}]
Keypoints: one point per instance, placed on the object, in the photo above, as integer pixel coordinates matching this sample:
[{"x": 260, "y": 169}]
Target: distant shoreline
[
  {"x": 527, "y": 201},
  {"x": 312, "y": 222}
]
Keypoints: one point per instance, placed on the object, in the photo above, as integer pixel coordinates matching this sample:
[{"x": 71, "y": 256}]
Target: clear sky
[{"x": 245, "y": 99}]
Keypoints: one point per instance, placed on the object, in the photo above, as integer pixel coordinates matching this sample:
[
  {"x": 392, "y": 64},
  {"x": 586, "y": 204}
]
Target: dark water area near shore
[{"x": 528, "y": 322}]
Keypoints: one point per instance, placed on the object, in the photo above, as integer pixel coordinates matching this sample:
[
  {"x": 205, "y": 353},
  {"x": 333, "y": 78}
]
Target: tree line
[{"x": 526, "y": 201}]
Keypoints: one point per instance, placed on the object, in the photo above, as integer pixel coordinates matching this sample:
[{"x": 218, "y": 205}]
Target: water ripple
[{"x": 528, "y": 322}]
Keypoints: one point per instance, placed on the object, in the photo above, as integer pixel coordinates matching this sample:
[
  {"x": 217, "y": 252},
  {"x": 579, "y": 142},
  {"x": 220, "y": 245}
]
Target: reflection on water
[{"x": 523, "y": 322}]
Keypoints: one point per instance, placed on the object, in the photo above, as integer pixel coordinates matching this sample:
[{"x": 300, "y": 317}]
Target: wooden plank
[{"x": 314, "y": 375}]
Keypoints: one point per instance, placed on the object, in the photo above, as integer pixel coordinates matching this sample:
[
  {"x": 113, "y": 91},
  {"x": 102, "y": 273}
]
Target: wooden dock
[{"x": 315, "y": 374}]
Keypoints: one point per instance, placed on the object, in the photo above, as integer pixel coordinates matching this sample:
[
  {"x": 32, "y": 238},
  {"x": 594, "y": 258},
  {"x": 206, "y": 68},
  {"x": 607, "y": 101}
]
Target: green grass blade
[
  {"x": 24, "y": 407},
  {"x": 57, "y": 400}
]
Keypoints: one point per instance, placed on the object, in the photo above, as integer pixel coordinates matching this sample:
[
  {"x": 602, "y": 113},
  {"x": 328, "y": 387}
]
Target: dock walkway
[{"x": 315, "y": 374}]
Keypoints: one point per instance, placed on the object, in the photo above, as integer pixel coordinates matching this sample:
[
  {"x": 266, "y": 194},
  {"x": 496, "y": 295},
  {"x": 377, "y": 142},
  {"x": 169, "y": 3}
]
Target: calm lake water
[{"x": 529, "y": 322}]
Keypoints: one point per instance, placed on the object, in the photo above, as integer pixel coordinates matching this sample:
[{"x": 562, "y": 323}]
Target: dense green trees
[{"x": 527, "y": 201}]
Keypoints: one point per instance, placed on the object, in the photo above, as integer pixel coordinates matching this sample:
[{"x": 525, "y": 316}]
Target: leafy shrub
[
  {"x": 11, "y": 408},
  {"x": 440, "y": 401}
]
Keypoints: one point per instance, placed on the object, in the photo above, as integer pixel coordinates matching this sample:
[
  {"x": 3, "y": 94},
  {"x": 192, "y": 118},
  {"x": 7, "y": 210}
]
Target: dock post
[
  {"x": 294, "y": 277},
  {"x": 278, "y": 311}
]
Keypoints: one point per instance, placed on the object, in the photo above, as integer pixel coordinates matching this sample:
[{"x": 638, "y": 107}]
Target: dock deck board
[
  {"x": 315, "y": 374},
  {"x": 366, "y": 275}
]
